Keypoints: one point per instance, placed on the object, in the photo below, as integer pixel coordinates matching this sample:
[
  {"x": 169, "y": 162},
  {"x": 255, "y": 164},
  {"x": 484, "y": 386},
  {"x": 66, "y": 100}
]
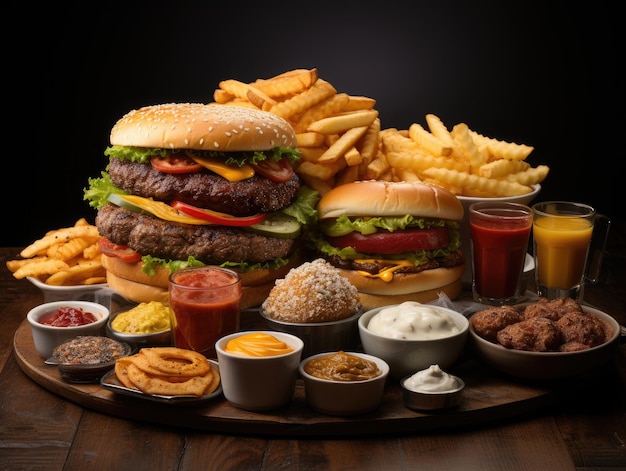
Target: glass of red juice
[
  {"x": 500, "y": 232},
  {"x": 204, "y": 306}
]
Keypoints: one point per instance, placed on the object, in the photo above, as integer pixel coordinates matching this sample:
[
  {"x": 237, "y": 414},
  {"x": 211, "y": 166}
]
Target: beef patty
[
  {"x": 210, "y": 244},
  {"x": 204, "y": 189}
]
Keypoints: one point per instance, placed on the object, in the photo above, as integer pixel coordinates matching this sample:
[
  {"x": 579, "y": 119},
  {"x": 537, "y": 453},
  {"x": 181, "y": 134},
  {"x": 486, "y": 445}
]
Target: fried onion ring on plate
[
  {"x": 176, "y": 361},
  {"x": 195, "y": 385},
  {"x": 121, "y": 371}
]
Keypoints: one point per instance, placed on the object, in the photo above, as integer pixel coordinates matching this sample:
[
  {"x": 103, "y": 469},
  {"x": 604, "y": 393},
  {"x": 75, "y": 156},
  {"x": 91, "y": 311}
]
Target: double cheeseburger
[
  {"x": 195, "y": 184},
  {"x": 395, "y": 241}
]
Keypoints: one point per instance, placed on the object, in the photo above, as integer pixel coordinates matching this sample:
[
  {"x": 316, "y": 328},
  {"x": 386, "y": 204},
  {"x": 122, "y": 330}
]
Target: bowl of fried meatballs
[{"x": 544, "y": 339}]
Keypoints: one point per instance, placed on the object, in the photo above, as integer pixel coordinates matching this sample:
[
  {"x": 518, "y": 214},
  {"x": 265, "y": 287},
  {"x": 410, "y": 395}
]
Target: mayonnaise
[
  {"x": 432, "y": 379},
  {"x": 412, "y": 321}
]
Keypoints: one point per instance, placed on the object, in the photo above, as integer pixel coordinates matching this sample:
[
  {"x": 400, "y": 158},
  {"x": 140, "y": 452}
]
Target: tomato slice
[
  {"x": 123, "y": 252},
  {"x": 277, "y": 171},
  {"x": 175, "y": 164},
  {"x": 217, "y": 217},
  {"x": 408, "y": 240}
]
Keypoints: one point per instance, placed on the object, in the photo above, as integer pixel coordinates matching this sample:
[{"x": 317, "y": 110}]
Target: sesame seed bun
[
  {"x": 202, "y": 127},
  {"x": 383, "y": 198}
]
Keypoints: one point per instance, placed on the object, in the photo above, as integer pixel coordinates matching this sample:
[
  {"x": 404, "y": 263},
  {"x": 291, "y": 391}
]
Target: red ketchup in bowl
[{"x": 68, "y": 317}]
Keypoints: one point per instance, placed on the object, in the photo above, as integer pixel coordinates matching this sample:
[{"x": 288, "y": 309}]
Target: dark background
[{"x": 547, "y": 76}]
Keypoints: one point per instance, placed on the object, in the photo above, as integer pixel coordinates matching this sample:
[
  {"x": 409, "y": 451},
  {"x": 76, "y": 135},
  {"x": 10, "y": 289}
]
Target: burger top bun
[
  {"x": 203, "y": 127},
  {"x": 383, "y": 198}
]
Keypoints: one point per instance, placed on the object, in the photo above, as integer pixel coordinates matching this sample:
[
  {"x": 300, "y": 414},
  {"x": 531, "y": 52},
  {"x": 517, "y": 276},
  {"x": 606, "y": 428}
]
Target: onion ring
[
  {"x": 148, "y": 384},
  {"x": 176, "y": 361},
  {"x": 168, "y": 371}
]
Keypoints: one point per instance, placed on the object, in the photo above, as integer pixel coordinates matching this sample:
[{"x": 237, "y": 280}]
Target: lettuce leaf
[
  {"x": 143, "y": 154},
  {"x": 99, "y": 190}
]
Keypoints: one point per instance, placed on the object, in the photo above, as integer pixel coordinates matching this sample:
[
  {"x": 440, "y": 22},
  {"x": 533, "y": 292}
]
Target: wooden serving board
[{"x": 488, "y": 396}]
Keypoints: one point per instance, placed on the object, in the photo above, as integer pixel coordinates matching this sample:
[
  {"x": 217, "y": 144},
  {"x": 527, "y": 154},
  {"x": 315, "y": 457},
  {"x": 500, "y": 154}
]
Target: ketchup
[
  {"x": 205, "y": 306},
  {"x": 68, "y": 317}
]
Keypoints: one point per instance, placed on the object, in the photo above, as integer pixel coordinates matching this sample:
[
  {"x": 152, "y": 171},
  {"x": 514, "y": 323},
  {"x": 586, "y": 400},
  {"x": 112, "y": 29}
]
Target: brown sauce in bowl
[{"x": 342, "y": 366}]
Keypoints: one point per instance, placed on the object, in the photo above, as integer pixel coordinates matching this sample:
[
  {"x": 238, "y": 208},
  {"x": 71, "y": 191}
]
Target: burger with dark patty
[
  {"x": 395, "y": 241},
  {"x": 194, "y": 184}
]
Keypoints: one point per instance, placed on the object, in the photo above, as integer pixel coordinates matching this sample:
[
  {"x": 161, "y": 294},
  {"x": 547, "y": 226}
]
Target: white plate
[
  {"x": 68, "y": 293},
  {"x": 109, "y": 381}
]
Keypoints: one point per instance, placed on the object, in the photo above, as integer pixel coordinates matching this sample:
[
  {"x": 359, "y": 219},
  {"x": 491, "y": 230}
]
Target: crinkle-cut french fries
[
  {"x": 341, "y": 140},
  {"x": 63, "y": 257},
  {"x": 338, "y": 134},
  {"x": 463, "y": 161}
]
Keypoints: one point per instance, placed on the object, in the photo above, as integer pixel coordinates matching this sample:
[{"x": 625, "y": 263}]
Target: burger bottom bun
[
  {"x": 128, "y": 280},
  {"x": 135, "y": 291},
  {"x": 405, "y": 283},
  {"x": 372, "y": 301}
]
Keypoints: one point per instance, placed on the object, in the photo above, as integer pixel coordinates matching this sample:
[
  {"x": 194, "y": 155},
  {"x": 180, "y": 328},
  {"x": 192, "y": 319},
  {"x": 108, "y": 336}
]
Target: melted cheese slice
[
  {"x": 386, "y": 274},
  {"x": 230, "y": 173}
]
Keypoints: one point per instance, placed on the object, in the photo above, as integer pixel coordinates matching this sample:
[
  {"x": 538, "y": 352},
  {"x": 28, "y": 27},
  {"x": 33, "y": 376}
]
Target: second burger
[
  {"x": 194, "y": 184},
  {"x": 395, "y": 241}
]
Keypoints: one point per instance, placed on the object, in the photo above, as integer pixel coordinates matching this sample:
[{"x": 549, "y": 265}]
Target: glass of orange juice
[{"x": 562, "y": 236}]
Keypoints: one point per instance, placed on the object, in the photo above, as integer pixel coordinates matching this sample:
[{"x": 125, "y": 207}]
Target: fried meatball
[
  {"x": 552, "y": 309},
  {"x": 313, "y": 292},
  {"x": 489, "y": 321},
  {"x": 581, "y": 327},
  {"x": 536, "y": 334}
]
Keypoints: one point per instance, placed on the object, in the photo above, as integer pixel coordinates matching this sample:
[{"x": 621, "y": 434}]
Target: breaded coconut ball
[{"x": 313, "y": 292}]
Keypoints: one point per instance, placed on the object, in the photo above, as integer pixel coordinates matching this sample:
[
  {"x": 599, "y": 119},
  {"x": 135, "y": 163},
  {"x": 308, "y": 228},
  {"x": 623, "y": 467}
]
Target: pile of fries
[
  {"x": 338, "y": 134},
  {"x": 167, "y": 371},
  {"x": 341, "y": 140},
  {"x": 461, "y": 160},
  {"x": 63, "y": 257}
]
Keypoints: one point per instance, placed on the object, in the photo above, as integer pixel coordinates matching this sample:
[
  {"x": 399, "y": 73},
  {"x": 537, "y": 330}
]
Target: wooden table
[{"x": 585, "y": 429}]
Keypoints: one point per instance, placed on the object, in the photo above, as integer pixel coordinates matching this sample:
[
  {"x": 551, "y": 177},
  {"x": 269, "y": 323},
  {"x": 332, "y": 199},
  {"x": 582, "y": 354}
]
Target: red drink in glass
[
  {"x": 500, "y": 234},
  {"x": 204, "y": 306}
]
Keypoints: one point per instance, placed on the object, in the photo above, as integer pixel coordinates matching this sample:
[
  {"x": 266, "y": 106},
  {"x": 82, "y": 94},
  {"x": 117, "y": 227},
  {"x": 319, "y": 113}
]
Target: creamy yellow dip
[
  {"x": 257, "y": 344},
  {"x": 145, "y": 318}
]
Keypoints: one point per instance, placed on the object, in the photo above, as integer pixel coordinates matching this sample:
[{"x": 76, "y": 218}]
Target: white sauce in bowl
[
  {"x": 432, "y": 379},
  {"x": 411, "y": 320}
]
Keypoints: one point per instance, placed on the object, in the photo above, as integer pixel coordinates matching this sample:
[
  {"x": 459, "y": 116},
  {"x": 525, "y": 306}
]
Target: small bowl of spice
[
  {"x": 142, "y": 325},
  {"x": 56, "y": 322},
  {"x": 86, "y": 358},
  {"x": 343, "y": 383}
]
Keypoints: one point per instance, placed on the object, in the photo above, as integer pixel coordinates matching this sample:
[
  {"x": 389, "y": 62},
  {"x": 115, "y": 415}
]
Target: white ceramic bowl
[
  {"x": 259, "y": 383},
  {"x": 320, "y": 336},
  {"x": 344, "y": 398},
  {"x": 406, "y": 357},
  {"x": 547, "y": 365},
  {"x": 47, "y": 337},
  {"x": 467, "y": 201},
  {"x": 51, "y": 293}
]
